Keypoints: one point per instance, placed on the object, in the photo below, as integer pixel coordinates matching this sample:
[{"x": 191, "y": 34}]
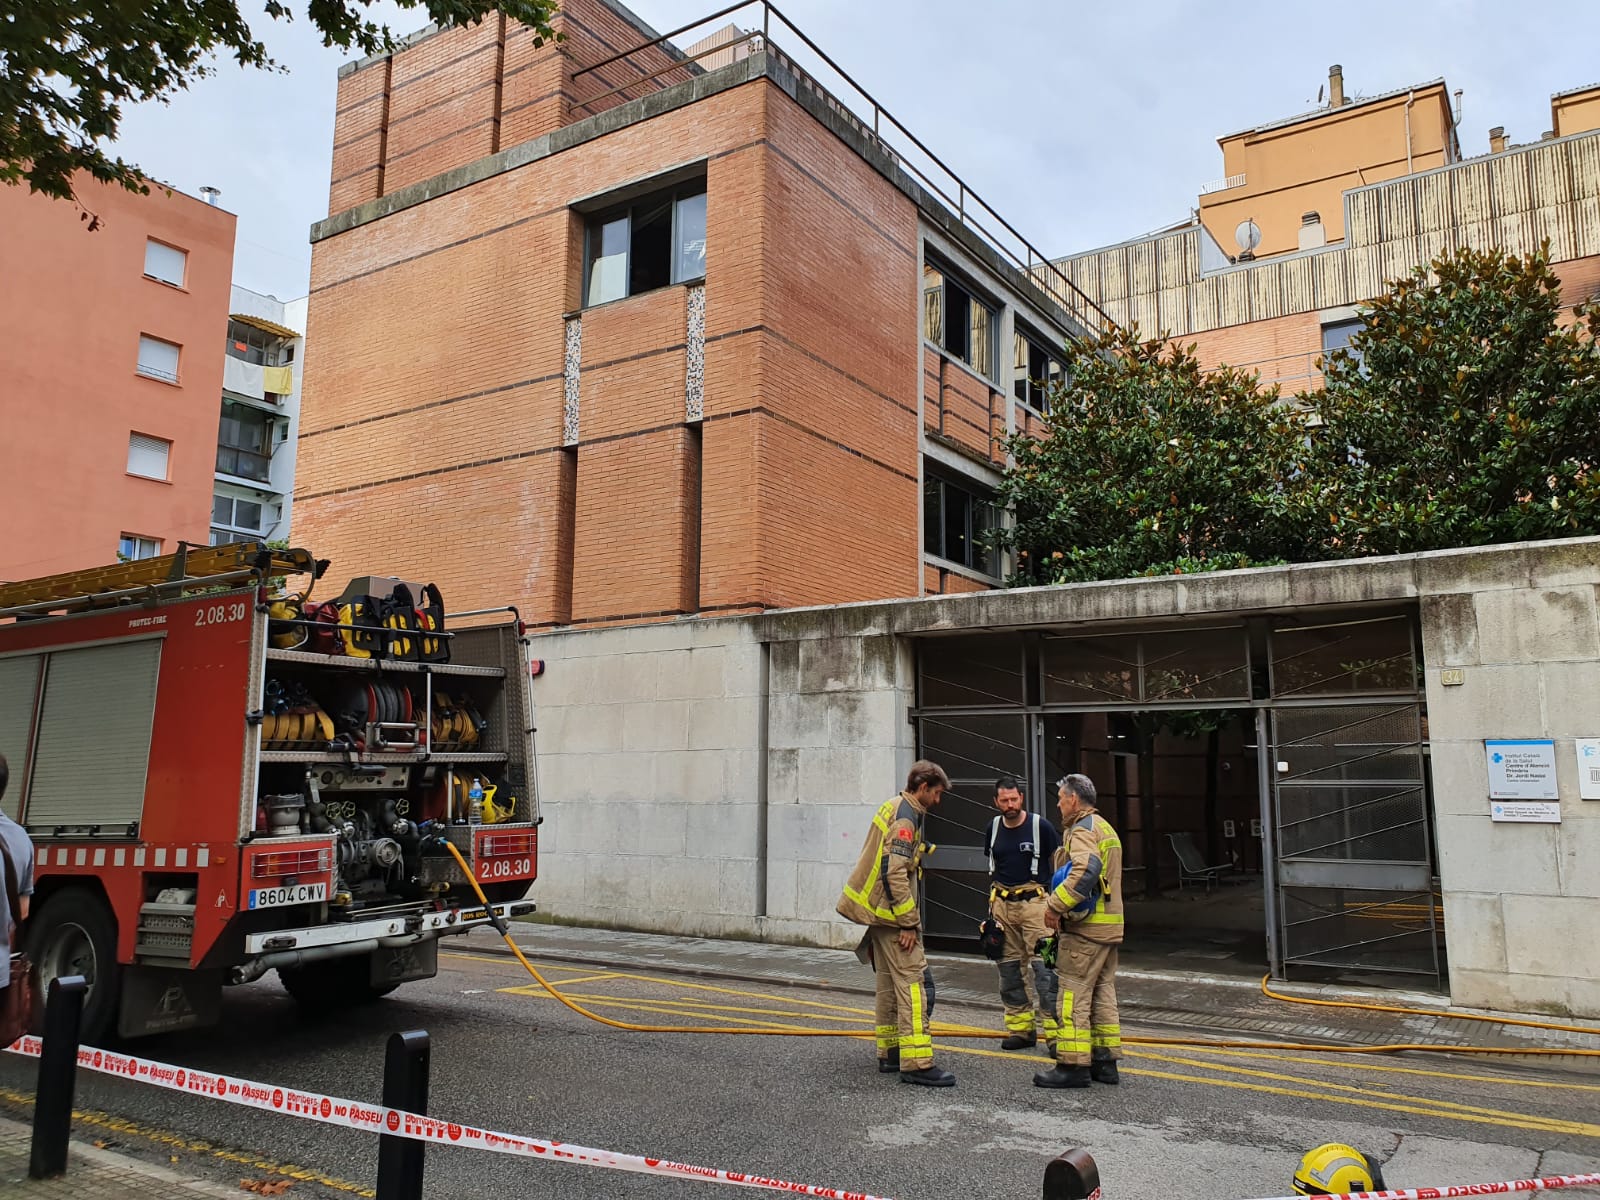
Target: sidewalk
[
  {"x": 94, "y": 1174},
  {"x": 1151, "y": 1002}
]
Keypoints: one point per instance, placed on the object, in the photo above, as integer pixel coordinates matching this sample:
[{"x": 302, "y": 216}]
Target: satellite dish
[{"x": 1248, "y": 236}]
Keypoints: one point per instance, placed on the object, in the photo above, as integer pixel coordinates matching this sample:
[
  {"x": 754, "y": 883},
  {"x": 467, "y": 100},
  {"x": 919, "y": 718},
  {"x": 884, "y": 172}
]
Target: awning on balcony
[{"x": 262, "y": 323}]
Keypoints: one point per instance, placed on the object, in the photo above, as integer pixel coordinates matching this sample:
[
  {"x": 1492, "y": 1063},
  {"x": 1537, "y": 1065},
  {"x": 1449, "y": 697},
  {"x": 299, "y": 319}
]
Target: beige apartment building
[{"x": 1316, "y": 212}]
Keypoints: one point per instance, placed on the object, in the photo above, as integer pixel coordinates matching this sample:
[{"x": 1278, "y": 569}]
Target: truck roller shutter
[
  {"x": 94, "y": 735},
  {"x": 19, "y": 685}
]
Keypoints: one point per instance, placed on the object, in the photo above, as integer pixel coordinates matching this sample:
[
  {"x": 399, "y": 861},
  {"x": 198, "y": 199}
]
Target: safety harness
[{"x": 1025, "y": 891}]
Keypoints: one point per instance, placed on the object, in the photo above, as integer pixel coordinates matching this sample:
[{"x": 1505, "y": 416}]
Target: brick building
[
  {"x": 623, "y": 337},
  {"x": 1343, "y": 199}
]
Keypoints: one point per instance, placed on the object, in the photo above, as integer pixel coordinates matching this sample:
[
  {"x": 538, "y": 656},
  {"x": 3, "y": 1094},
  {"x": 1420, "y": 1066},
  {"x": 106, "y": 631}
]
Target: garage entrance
[{"x": 1267, "y": 775}]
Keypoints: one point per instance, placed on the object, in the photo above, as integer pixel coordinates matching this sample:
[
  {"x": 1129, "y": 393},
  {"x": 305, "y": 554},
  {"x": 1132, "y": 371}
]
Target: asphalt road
[{"x": 507, "y": 1056}]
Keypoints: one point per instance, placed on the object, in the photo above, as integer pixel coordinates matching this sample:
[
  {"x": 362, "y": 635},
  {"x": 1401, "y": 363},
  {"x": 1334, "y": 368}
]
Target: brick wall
[
  {"x": 963, "y": 409},
  {"x": 436, "y": 383},
  {"x": 456, "y": 95},
  {"x": 1284, "y": 350},
  {"x": 941, "y": 581},
  {"x": 635, "y": 547}
]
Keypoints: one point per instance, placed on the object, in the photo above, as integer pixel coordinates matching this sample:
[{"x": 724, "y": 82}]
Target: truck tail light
[
  {"x": 275, "y": 864},
  {"x": 504, "y": 845}
]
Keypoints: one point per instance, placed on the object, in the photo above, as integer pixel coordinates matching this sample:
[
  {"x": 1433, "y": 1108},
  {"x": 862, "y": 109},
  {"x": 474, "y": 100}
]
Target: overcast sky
[{"x": 1082, "y": 123}]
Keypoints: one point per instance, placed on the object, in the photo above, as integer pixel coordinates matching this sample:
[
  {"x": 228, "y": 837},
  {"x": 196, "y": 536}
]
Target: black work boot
[
  {"x": 1061, "y": 1076},
  {"x": 929, "y": 1077},
  {"x": 1104, "y": 1070},
  {"x": 890, "y": 1062},
  {"x": 1020, "y": 1041}
]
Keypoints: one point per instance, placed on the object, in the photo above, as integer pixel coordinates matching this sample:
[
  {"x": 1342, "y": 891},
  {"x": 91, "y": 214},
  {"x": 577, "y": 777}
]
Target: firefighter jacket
[
  {"x": 882, "y": 888},
  {"x": 1086, "y": 890}
]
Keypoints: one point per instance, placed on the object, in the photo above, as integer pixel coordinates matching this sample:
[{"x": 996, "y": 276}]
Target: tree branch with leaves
[{"x": 69, "y": 71}]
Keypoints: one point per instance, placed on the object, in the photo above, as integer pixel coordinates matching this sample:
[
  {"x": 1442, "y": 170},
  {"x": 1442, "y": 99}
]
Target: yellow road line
[
  {"x": 501, "y": 960},
  {"x": 1503, "y": 1121},
  {"x": 533, "y": 989},
  {"x": 697, "y": 1008},
  {"x": 950, "y": 1028},
  {"x": 1333, "y": 1093},
  {"x": 1396, "y": 1070},
  {"x": 171, "y": 1141},
  {"x": 1447, "y": 1107}
]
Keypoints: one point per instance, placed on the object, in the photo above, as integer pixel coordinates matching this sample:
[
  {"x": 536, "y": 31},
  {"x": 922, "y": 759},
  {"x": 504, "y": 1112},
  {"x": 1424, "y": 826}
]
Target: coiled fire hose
[{"x": 967, "y": 1032}]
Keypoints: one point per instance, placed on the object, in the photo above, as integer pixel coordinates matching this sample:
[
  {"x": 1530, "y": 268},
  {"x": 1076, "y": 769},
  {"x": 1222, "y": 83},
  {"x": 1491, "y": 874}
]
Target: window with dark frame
[
  {"x": 957, "y": 519},
  {"x": 649, "y": 243},
  {"x": 244, "y": 442},
  {"x": 957, "y": 321},
  {"x": 1038, "y": 372},
  {"x": 1336, "y": 335}
]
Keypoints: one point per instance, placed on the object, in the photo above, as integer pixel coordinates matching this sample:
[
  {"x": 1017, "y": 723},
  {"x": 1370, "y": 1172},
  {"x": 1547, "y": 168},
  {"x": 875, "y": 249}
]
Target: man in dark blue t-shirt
[{"x": 1021, "y": 848}]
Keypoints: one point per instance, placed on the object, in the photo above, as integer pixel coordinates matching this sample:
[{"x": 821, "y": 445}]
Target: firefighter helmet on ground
[{"x": 1335, "y": 1169}]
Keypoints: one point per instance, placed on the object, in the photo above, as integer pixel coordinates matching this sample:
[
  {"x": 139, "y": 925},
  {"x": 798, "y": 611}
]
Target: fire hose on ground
[{"x": 948, "y": 1031}]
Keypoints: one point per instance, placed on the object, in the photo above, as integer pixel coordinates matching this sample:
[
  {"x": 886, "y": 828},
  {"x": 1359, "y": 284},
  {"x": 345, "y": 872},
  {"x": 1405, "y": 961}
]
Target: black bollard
[
  {"x": 1072, "y": 1176},
  {"x": 58, "y": 1077},
  {"x": 405, "y": 1087}
]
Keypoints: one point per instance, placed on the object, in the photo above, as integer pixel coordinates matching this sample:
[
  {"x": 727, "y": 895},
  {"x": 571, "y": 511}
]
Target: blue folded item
[{"x": 1083, "y": 907}]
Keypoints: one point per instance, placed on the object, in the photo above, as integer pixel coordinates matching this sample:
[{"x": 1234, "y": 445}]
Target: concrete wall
[
  {"x": 650, "y": 776},
  {"x": 716, "y": 777},
  {"x": 839, "y": 744},
  {"x": 1521, "y": 901},
  {"x": 661, "y": 810}
]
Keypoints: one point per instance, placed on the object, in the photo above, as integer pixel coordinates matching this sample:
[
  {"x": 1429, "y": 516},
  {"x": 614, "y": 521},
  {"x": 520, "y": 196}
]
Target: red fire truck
[{"x": 222, "y": 778}]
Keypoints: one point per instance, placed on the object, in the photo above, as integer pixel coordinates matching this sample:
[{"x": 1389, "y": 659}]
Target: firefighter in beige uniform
[
  {"x": 1086, "y": 907},
  {"x": 881, "y": 894}
]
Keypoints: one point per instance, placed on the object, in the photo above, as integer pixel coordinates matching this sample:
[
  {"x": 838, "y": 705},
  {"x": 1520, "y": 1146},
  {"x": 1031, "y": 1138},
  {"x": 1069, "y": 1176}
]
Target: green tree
[
  {"x": 68, "y": 70},
  {"x": 1153, "y": 466},
  {"x": 1466, "y": 412}
]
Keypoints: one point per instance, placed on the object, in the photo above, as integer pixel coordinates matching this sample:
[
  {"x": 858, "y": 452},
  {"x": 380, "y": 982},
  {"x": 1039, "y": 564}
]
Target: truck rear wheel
[
  {"x": 333, "y": 983},
  {"x": 75, "y": 934}
]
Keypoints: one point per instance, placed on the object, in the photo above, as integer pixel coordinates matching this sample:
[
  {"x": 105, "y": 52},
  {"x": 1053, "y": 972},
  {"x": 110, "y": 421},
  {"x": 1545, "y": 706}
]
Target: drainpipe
[{"x": 1411, "y": 97}]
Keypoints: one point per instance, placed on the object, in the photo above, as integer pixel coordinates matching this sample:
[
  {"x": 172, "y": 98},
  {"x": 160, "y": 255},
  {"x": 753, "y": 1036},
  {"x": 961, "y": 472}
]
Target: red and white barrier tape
[
  {"x": 374, "y": 1118},
  {"x": 1549, "y": 1183}
]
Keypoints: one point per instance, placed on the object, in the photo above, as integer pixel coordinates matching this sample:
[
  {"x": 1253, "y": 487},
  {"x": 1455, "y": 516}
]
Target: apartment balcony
[
  {"x": 244, "y": 464},
  {"x": 256, "y": 381}
]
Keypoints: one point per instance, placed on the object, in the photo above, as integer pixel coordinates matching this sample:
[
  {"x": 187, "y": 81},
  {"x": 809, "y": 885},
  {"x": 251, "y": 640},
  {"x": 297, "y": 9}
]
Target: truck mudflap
[{"x": 167, "y": 999}]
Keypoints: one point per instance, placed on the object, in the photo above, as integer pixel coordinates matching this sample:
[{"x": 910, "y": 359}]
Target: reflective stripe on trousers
[{"x": 1090, "y": 1025}]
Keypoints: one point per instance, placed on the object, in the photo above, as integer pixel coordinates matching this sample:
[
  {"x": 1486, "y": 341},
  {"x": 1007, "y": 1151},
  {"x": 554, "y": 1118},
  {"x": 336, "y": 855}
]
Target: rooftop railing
[{"x": 879, "y": 127}]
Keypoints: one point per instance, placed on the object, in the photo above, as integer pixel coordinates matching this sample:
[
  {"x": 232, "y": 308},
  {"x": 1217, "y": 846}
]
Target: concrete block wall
[
  {"x": 838, "y": 745},
  {"x": 650, "y": 778},
  {"x": 696, "y": 781},
  {"x": 1519, "y": 899}
]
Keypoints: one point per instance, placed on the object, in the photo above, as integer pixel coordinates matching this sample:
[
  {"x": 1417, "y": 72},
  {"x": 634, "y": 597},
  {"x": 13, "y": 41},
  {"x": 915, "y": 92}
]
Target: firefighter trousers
[
  {"x": 1090, "y": 1028},
  {"x": 1027, "y": 986},
  {"x": 905, "y": 999}
]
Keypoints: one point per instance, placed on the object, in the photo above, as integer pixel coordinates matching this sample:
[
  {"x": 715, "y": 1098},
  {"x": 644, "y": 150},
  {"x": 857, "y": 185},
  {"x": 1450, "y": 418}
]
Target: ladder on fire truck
[{"x": 147, "y": 579}]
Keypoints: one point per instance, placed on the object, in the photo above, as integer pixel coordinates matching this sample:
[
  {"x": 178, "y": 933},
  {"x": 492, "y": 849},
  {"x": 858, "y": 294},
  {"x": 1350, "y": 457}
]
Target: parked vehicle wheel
[
  {"x": 333, "y": 983},
  {"x": 75, "y": 934}
]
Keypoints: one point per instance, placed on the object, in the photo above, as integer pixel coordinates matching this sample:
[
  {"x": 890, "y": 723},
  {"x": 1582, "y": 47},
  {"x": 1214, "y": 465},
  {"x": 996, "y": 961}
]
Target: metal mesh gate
[{"x": 1351, "y": 813}]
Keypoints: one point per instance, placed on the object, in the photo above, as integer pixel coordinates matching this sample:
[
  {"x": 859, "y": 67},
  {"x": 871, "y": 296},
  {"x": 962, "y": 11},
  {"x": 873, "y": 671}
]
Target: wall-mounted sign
[
  {"x": 1589, "y": 768},
  {"x": 1534, "y": 812},
  {"x": 1522, "y": 769}
]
